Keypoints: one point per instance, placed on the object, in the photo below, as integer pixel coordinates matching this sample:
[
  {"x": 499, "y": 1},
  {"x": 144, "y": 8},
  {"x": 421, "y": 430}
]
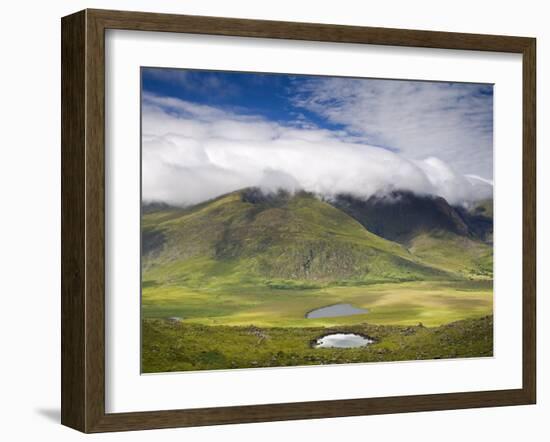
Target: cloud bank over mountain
[
  {"x": 193, "y": 152},
  {"x": 452, "y": 121}
]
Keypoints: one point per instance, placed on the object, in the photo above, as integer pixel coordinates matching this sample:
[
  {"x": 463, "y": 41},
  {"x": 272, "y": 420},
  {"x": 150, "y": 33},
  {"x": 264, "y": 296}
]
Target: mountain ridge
[
  {"x": 401, "y": 215},
  {"x": 269, "y": 237}
]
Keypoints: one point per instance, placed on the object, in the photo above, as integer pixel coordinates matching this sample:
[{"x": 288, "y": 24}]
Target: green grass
[
  {"x": 430, "y": 302},
  {"x": 457, "y": 254},
  {"x": 175, "y": 346}
]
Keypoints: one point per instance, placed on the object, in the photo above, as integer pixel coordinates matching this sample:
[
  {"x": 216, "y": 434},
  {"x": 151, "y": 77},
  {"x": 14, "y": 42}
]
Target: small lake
[
  {"x": 342, "y": 340},
  {"x": 331, "y": 311}
]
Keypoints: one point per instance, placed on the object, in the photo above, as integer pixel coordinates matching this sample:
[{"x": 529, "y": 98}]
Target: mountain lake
[{"x": 331, "y": 311}]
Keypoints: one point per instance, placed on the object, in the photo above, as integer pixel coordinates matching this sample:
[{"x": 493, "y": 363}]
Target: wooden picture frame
[{"x": 83, "y": 220}]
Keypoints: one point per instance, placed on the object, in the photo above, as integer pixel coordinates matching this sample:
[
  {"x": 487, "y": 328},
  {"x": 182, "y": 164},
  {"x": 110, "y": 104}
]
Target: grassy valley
[{"x": 243, "y": 270}]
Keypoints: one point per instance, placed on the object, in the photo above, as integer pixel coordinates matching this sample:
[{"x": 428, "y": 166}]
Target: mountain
[
  {"x": 479, "y": 217},
  {"x": 464, "y": 255},
  {"x": 274, "y": 239},
  {"x": 455, "y": 239},
  {"x": 401, "y": 215}
]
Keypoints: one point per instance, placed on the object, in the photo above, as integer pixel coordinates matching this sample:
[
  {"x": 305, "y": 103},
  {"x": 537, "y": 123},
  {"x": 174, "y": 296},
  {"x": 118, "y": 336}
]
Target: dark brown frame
[{"x": 83, "y": 216}]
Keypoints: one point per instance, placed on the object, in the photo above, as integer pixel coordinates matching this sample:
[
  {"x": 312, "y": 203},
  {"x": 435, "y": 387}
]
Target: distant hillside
[
  {"x": 454, "y": 239},
  {"x": 479, "y": 218},
  {"x": 250, "y": 236},
  {"x": 400, "y": 216},
  {"x": 454, "y": 253}
]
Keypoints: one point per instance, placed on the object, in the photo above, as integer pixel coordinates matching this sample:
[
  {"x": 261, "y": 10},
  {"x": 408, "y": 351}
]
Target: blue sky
[
  {"x": 266, "y": 95},
  {"x": 204, "y": 125}
]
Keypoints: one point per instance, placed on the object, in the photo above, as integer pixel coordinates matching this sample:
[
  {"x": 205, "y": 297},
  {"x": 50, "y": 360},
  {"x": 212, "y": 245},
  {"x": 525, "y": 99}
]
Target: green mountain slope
[
  {"x": 454, "y": 239},
  {"x": 465, "y": 256},
  {"x": 278, "y": 240}
]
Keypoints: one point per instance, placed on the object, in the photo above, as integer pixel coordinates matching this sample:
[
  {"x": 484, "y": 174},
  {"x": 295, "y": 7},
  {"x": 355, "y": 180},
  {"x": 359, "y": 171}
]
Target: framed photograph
[{"x": 269, "y": 220}]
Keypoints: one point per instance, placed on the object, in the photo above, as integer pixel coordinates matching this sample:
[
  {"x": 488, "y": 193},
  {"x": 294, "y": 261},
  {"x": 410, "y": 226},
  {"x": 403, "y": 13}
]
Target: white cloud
[
  {"x": 452, "y": 121},
  {"x": 192, "y": 153}
]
